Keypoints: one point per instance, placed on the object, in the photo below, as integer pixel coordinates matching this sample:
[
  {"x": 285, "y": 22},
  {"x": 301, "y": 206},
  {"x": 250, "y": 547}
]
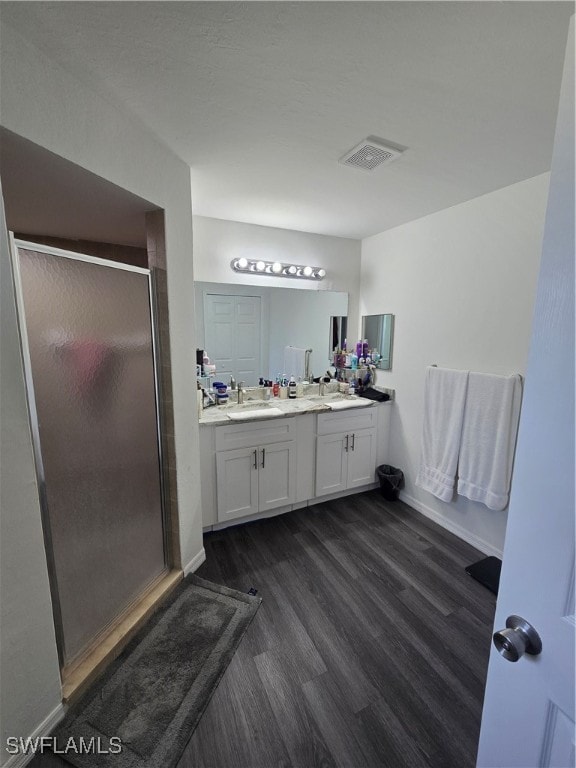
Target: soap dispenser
[{"x": 292, "y": 388}]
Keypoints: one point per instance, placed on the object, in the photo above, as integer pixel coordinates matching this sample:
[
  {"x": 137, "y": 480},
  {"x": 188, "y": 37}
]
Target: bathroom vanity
[{"x": 258, "y": 466}]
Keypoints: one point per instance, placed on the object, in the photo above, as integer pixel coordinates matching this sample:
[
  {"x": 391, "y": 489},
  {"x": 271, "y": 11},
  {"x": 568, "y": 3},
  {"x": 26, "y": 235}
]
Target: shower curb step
[{"x": 79, "y": 675}]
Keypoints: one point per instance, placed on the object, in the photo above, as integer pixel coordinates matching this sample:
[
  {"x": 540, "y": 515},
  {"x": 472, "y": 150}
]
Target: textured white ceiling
[{"x": 263, "y": 98}]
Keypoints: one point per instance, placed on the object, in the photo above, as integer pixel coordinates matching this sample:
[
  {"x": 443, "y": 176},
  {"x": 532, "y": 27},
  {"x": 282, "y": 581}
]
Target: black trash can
[{"x": 391, "y": 480}]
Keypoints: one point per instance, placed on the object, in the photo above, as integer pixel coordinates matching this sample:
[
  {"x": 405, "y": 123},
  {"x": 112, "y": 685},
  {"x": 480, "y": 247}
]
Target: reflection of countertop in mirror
[{"x": 253, "y": 410}]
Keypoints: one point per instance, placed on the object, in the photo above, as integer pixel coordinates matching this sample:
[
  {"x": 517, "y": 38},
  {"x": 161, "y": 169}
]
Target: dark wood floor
[
  {"x": 369, "y": 650},
  {"x": 370, "y": 647}
]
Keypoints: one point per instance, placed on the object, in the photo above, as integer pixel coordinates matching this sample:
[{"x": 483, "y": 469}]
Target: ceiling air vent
[{"x": 371, "y": 153}]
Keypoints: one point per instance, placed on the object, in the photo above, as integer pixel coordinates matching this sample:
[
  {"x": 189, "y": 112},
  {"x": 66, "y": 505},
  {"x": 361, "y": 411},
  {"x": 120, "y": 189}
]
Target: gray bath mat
[{"x": 142, "y": 712}]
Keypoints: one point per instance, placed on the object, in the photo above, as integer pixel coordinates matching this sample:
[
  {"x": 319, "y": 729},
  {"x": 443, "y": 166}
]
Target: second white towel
[{"x": 489, "y": 431}]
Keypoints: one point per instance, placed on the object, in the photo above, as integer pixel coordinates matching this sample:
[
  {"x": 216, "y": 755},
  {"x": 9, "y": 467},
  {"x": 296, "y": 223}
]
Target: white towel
[
  {"x": 294, "y": 362},
  {"x": 489, "y": 432},
  {"x": 444, "y": 398}
]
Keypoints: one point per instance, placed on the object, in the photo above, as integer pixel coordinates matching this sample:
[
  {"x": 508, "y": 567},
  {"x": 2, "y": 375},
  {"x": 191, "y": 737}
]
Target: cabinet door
[
  {"x": 331, "y": 463},
  {"x": 237, "y": 483},
  {"x": 361, "y": 458},
  {"x": 276, "y": 475}
]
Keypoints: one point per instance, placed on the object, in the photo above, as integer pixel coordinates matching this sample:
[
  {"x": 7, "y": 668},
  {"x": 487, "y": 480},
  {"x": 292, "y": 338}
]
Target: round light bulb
[
  {"x": 292, "y": 270},
  {"x": 321, "y": 273},
  {"x": 242, "y": 263},
  {"x": 260, "y": 266},
  {"x": 276, "y": 267},
  {"x": 307, "y": 271}
]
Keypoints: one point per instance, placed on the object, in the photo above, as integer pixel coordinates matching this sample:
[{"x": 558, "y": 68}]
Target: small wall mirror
[
  {"x": 338, "y": 333},
  {"x": 378, "y": 330}
]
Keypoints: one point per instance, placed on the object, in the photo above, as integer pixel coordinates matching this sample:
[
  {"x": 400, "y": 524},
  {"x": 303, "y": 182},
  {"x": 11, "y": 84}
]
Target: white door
[
  {"x": 248, "y": 367},
  {"x": 277, "y": 475},
  {"x": 331, "y": 464},
  {"x": 219, "y": 333},
  {"x": 232, "y": 336},
  {"x": 528, "y": 717},
  {"x": 361, "y": 458},
  {"x": 237, "y": 483}
]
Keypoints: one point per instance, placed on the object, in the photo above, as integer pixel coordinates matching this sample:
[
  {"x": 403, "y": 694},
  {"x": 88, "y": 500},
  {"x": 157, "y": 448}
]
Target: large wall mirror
[
  {"x": 379, "y": 331},
  {"x": 245, "y": 329}
]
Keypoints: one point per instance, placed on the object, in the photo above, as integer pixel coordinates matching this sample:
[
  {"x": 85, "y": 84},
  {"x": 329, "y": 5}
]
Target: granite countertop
[{"x": 309, "y": 403}]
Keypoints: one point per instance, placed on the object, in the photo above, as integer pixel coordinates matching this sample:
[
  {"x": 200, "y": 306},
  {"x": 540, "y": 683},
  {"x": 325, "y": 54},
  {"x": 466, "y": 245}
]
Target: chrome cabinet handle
[
  {"x": 346, "y": 446},
  {"x": 255, "y": 459},
  {"x": 518, "y": 638},
  {"x": 263, "y": 457},
  {"x": 353, "y": 440}
]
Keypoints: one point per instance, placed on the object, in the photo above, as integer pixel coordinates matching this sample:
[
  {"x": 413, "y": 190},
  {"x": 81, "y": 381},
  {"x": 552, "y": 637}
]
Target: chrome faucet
[{"x": 240, "y": 388}]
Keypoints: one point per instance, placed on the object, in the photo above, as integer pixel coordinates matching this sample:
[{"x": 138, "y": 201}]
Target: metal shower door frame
[{"x": 15, "y": 244}]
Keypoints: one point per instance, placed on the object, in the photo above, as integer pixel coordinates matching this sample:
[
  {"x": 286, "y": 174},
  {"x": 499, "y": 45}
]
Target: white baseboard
[
  {"x": 449, "y": 525},
  {"x": 251, "y": 518},
  {"x": 44, "y": 729},
  {"x": 195, "y": 563},
  {"x": 343, "y": 494}
]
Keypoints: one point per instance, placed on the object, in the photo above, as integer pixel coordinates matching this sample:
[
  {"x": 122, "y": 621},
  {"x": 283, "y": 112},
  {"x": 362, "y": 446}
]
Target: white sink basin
[
  {"x": 328, "y": 398},
  {"x": 337, "y": 401},
  {"x": 250, "y": 405},
  {"x": 342, "y": 405},
  {"x": 267, "y": 412}
]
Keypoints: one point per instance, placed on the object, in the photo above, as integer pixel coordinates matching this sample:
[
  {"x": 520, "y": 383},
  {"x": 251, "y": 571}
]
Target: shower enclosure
[{"x": 89, "y": 355}]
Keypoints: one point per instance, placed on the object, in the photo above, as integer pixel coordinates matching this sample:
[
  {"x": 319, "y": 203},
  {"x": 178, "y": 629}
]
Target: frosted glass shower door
[{"x": 92, "y": 389}]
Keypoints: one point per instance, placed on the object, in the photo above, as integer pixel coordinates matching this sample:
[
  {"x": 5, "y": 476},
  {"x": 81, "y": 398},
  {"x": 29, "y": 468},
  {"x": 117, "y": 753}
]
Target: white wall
[
  {"x": 29, "y": 671},
  {"x": 46, "y": 105},
  {"x": 217, "y": 242},
  {"x": 461, "y": 284}
]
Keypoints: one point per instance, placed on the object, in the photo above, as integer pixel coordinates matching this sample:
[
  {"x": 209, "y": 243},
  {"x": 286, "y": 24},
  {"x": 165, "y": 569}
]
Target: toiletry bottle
[
  {"x": 365, "y": 348},
  {"x": 276, "y": 388},
  {"x": 353, "y": 362},
  {"x": 359, "y": 349},
  {"x": 292, "y": 388}
]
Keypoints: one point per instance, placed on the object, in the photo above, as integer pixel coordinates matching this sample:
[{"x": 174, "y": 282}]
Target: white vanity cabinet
[
  {"x": 346, "y": 450},
  {"x": 255, "y": 467},
  {"x": 269, "y": 467}
]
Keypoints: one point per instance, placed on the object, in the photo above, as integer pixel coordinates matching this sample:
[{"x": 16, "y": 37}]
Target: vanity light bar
[{"x": 277, "y": 269}]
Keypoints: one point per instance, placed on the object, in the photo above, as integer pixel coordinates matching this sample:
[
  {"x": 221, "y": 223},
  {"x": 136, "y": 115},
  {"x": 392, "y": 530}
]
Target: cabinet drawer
[
  {"x": 254, "y": 433},
  {"x": 347, "y": 421}
]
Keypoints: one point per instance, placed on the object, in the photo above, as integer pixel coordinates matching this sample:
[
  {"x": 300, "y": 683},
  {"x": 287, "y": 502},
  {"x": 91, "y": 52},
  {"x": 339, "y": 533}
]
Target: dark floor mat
[{"x": 487, "y": 572}]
